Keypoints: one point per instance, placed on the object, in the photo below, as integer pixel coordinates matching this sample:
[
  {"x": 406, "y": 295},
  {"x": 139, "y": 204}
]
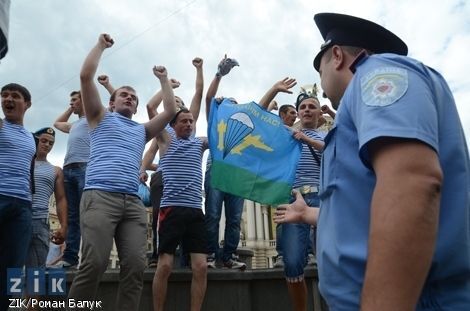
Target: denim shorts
[{"x": 294, "y": 243}]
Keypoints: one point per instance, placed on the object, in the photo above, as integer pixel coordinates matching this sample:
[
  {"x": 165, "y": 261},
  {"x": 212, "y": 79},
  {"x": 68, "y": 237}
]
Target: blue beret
[{"x": 45, "y": 130}]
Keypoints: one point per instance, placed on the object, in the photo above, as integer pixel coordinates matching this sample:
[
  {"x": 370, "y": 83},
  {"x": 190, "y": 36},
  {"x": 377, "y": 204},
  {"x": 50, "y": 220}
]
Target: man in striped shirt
[
  {"x": 181, "y": 217},
  {"x": 295, "y": 237},
  {"x": 156, "y": 181},
  {"x": 17, "y": 149},
  {"x": 110, "y": 208},
  {"x": 48, "y": 179},
  {"x": 216, "y": 199},
  {"x": 74, "y": 169}
]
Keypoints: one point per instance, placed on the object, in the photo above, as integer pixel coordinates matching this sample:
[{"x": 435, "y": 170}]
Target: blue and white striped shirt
[
  {"x": 182, "y": 173},
  {"x": 17, "y": 149},
  {"x": 78, "y": 144},
  {"x": 44, "y": 183},
  {"x": 116, "y": 148},
  {"x": 308, "y": 170}
]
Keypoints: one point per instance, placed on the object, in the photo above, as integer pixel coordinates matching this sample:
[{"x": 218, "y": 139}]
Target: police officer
[{"x": 394, "y": 225}]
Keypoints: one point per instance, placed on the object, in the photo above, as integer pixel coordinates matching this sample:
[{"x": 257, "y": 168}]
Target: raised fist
[
  {"x": 105, "y": 41},
  {"x": 174, "y": 83},
  {"x": 197, "y": 62},
  {"x": 103, "y": 79},
  {"x": 160, "y": 72}
]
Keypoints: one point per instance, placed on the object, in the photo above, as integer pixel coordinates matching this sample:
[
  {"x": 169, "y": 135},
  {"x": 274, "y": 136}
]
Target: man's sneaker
[
  {"x": 211, "y": 262},
  {"x": 63, "y": 265},
  {"x": 235, "y": 263},
  {"x": 311, "y": 260},
  {"x": 153, "y": 262},
  {"x": 279, "y": 263}
]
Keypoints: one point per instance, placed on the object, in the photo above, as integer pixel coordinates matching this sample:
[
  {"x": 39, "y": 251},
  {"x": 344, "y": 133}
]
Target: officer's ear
[{"x": 338, "y": 56}]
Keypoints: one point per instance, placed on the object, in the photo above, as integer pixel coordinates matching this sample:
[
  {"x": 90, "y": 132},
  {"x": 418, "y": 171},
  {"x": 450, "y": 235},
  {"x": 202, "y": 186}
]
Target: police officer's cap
[
  {"x": 340, "y": 29},
  {"x": 45, "y": 130}
]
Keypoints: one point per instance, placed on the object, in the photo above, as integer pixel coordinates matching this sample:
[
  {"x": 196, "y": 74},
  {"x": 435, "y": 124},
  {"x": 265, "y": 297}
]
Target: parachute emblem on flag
[
  {"x": 235, "y": 135},
  {"x": 239, "y": 125},
  {"x": 254, "y": 156}
]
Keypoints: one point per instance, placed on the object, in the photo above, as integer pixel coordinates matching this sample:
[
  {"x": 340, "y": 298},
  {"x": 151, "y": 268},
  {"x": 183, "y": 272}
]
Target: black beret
[
  {"x": 340, "y": 29},
  {"x": 45, "y": 130}
]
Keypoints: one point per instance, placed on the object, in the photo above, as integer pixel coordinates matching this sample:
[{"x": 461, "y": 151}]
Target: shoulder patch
[{"x": 384, "y": 86}]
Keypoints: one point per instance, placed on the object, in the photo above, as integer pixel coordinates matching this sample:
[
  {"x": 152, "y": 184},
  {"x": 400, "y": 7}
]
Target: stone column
[
  {"x": 259, "y": 223},
  {"x": 250, "y": 220},
  {"x": 264, "y": 210}
]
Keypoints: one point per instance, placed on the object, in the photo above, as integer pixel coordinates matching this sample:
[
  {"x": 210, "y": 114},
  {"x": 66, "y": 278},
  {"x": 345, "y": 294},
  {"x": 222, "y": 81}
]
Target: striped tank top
[
  {"x": 44, "y": 182},
  {"x": 116, "y": 148},
  {"x": 182, "y": 173}
]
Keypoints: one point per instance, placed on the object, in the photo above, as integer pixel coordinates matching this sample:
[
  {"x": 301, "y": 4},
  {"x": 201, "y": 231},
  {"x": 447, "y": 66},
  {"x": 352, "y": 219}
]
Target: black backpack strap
[{"x": 314, "y": 154}]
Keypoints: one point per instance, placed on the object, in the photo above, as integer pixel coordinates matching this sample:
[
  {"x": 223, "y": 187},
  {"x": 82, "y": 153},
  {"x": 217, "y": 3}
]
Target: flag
[{"x": 254, "y": 155}]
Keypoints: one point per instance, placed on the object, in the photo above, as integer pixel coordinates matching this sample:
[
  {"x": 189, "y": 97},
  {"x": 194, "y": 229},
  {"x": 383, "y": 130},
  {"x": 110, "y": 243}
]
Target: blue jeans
[
  {"x": 294, "y": 242},
  {"x": 15, "y": 234},
  {"x": 74, "y": 181},
  {"x": 233, "y": 214},
  {"x": 310, "y": 246}
]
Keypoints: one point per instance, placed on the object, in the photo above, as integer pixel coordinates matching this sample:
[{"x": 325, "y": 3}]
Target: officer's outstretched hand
[{"x": 295, "y": 212}]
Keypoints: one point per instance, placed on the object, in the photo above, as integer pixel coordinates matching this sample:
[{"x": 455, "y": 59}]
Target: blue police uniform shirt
[{"x": 392, "y": 96}]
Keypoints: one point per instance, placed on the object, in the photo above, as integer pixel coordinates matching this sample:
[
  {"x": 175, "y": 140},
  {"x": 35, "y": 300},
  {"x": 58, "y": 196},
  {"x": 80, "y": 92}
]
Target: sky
[{"x": 48, "y": 41}]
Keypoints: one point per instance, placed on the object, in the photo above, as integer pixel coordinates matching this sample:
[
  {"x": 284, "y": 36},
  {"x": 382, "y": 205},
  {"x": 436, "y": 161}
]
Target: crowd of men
[{"x": 388, "y": 188}]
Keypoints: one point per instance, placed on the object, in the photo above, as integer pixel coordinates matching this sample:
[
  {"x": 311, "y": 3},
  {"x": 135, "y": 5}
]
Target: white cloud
[{"x": 271, "y": 40}]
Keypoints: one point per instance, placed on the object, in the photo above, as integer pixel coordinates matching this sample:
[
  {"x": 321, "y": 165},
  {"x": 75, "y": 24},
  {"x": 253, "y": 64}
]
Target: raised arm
[
  {"x": 147, "y": 160},
  {"x": 283, "y": 86},
  {"x": 272, "y": 105},
  {"x": 158, "y": 123},
  {"x": 94, "y": 110},
  {"x": 104, "y": 81},
  {"x": 328, "y": 110},
  {"x": 195, "y": 106},
  {"x": 156, "y": 99},
  {"x": 163, "y": 140},
  {"x": 61, "y": 123},
  {"x": 211, "y": 92},
  {"x": 224, "y": 67},
  {"x": 58, "y": 237}
]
